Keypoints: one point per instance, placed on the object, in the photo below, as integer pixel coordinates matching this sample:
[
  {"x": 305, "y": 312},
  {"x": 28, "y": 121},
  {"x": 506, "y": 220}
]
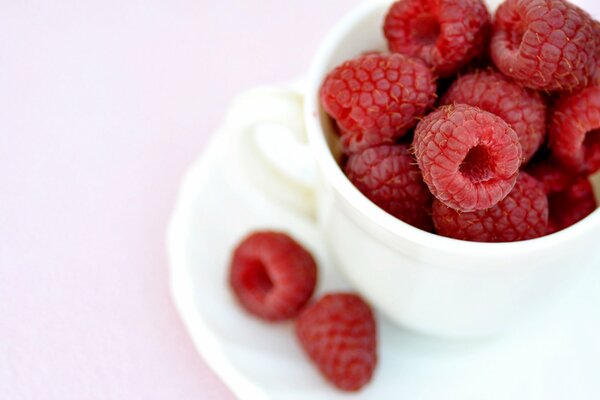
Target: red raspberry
[
  {"x": 522, "y": 215},
  {"x": 446, "y": 34},
  {"x": 544, "y": 44},
  {"x": 521, "y": 108},
  {"x": 469, "y": 158},
  {"x": 553, "y": 176},
  {"x": 575, "y": 130},
  {"x": 571, "y": 205},
  {"x": 272, "y": 275},
  {"x": 339, "y": 334},
  {"x": 377, "y": 98},
  {"x": 389, "y": 177}
]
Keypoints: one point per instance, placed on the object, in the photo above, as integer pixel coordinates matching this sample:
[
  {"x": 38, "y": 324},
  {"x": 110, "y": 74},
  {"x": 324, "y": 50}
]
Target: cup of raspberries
[{"x": 456, "y": 145}]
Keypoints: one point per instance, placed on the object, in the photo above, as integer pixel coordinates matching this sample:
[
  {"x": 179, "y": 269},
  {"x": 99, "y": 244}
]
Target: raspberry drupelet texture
[
  {"x": 596, "y": 77},
  {"x": 446, "y": 34},
  {"x": 544, "y": 44},
  {"x": 377, "y": 98},
  {"x": 390, "y": 178},
  {"x": 571, "y": 205},
  {"x": 338, "y": 333},
  {"x": 469, "y": 158},
  {"x": 272, "y": 275},
  {"x": 522, "y": 215},
  {"x": 553, "y": 176},
  {"x": 575, "y": 130},
  {"x": 523, "y": 109}
]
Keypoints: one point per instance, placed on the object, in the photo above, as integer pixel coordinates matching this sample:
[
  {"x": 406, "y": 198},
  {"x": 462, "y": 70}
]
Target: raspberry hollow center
[
  {"x": 425, "y": 29},
  {"x": 478, "y": 165},
  {"x": 257, "y": 279},
  {"x": 515, "y": 37},
  {"x": 591, "y": 146},
  {"x": 515, "y": 30}
]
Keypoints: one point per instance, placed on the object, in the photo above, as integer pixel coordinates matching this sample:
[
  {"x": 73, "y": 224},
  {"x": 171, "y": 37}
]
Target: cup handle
[{"x": 281, "y": 165}]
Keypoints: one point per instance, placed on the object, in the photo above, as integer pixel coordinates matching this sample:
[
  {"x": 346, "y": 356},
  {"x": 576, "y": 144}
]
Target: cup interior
[{"x": 360, "y": 32}]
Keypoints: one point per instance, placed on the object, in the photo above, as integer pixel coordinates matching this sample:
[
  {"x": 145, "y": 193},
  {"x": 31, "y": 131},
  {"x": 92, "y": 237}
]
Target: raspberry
[
  {"x": 469, "y": 158},
  {"x": 552, "y": 175},
  {"x": 571, "y": 205},
  {"x": 522, "y": 215},
  {"x": 388, "y": 176},
  {"x": 521, "y": 108},
  {"x": 272, "y": 276},
  {"x": 446, "y": 34},
  {"x": 377, "y": 98},
  {"x": 575, "y": 130},
  {"x": 339, "y": 334},
  {"x": 544, "y": 44}
]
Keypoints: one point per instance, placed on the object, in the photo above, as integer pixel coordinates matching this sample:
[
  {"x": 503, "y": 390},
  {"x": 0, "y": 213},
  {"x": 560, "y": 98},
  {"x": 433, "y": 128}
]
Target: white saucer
[{"x": 556, "y": 356}]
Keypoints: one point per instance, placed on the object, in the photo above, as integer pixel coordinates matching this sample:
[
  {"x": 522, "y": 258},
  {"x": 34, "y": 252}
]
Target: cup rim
[{"x": 398, "y": 228}]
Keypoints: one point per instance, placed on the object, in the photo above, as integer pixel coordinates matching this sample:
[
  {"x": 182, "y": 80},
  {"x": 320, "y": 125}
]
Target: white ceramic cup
[{"x": 421, "y": 281}]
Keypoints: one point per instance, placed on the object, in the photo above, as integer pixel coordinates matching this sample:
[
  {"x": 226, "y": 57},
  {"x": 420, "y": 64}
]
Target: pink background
[{"x": 103, "y": 105}]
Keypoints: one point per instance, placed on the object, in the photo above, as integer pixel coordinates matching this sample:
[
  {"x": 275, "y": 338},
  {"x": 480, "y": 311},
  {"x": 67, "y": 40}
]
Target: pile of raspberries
[
  {"x": 273, "y": 277},
  {"x": 472, "y": 128}
]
